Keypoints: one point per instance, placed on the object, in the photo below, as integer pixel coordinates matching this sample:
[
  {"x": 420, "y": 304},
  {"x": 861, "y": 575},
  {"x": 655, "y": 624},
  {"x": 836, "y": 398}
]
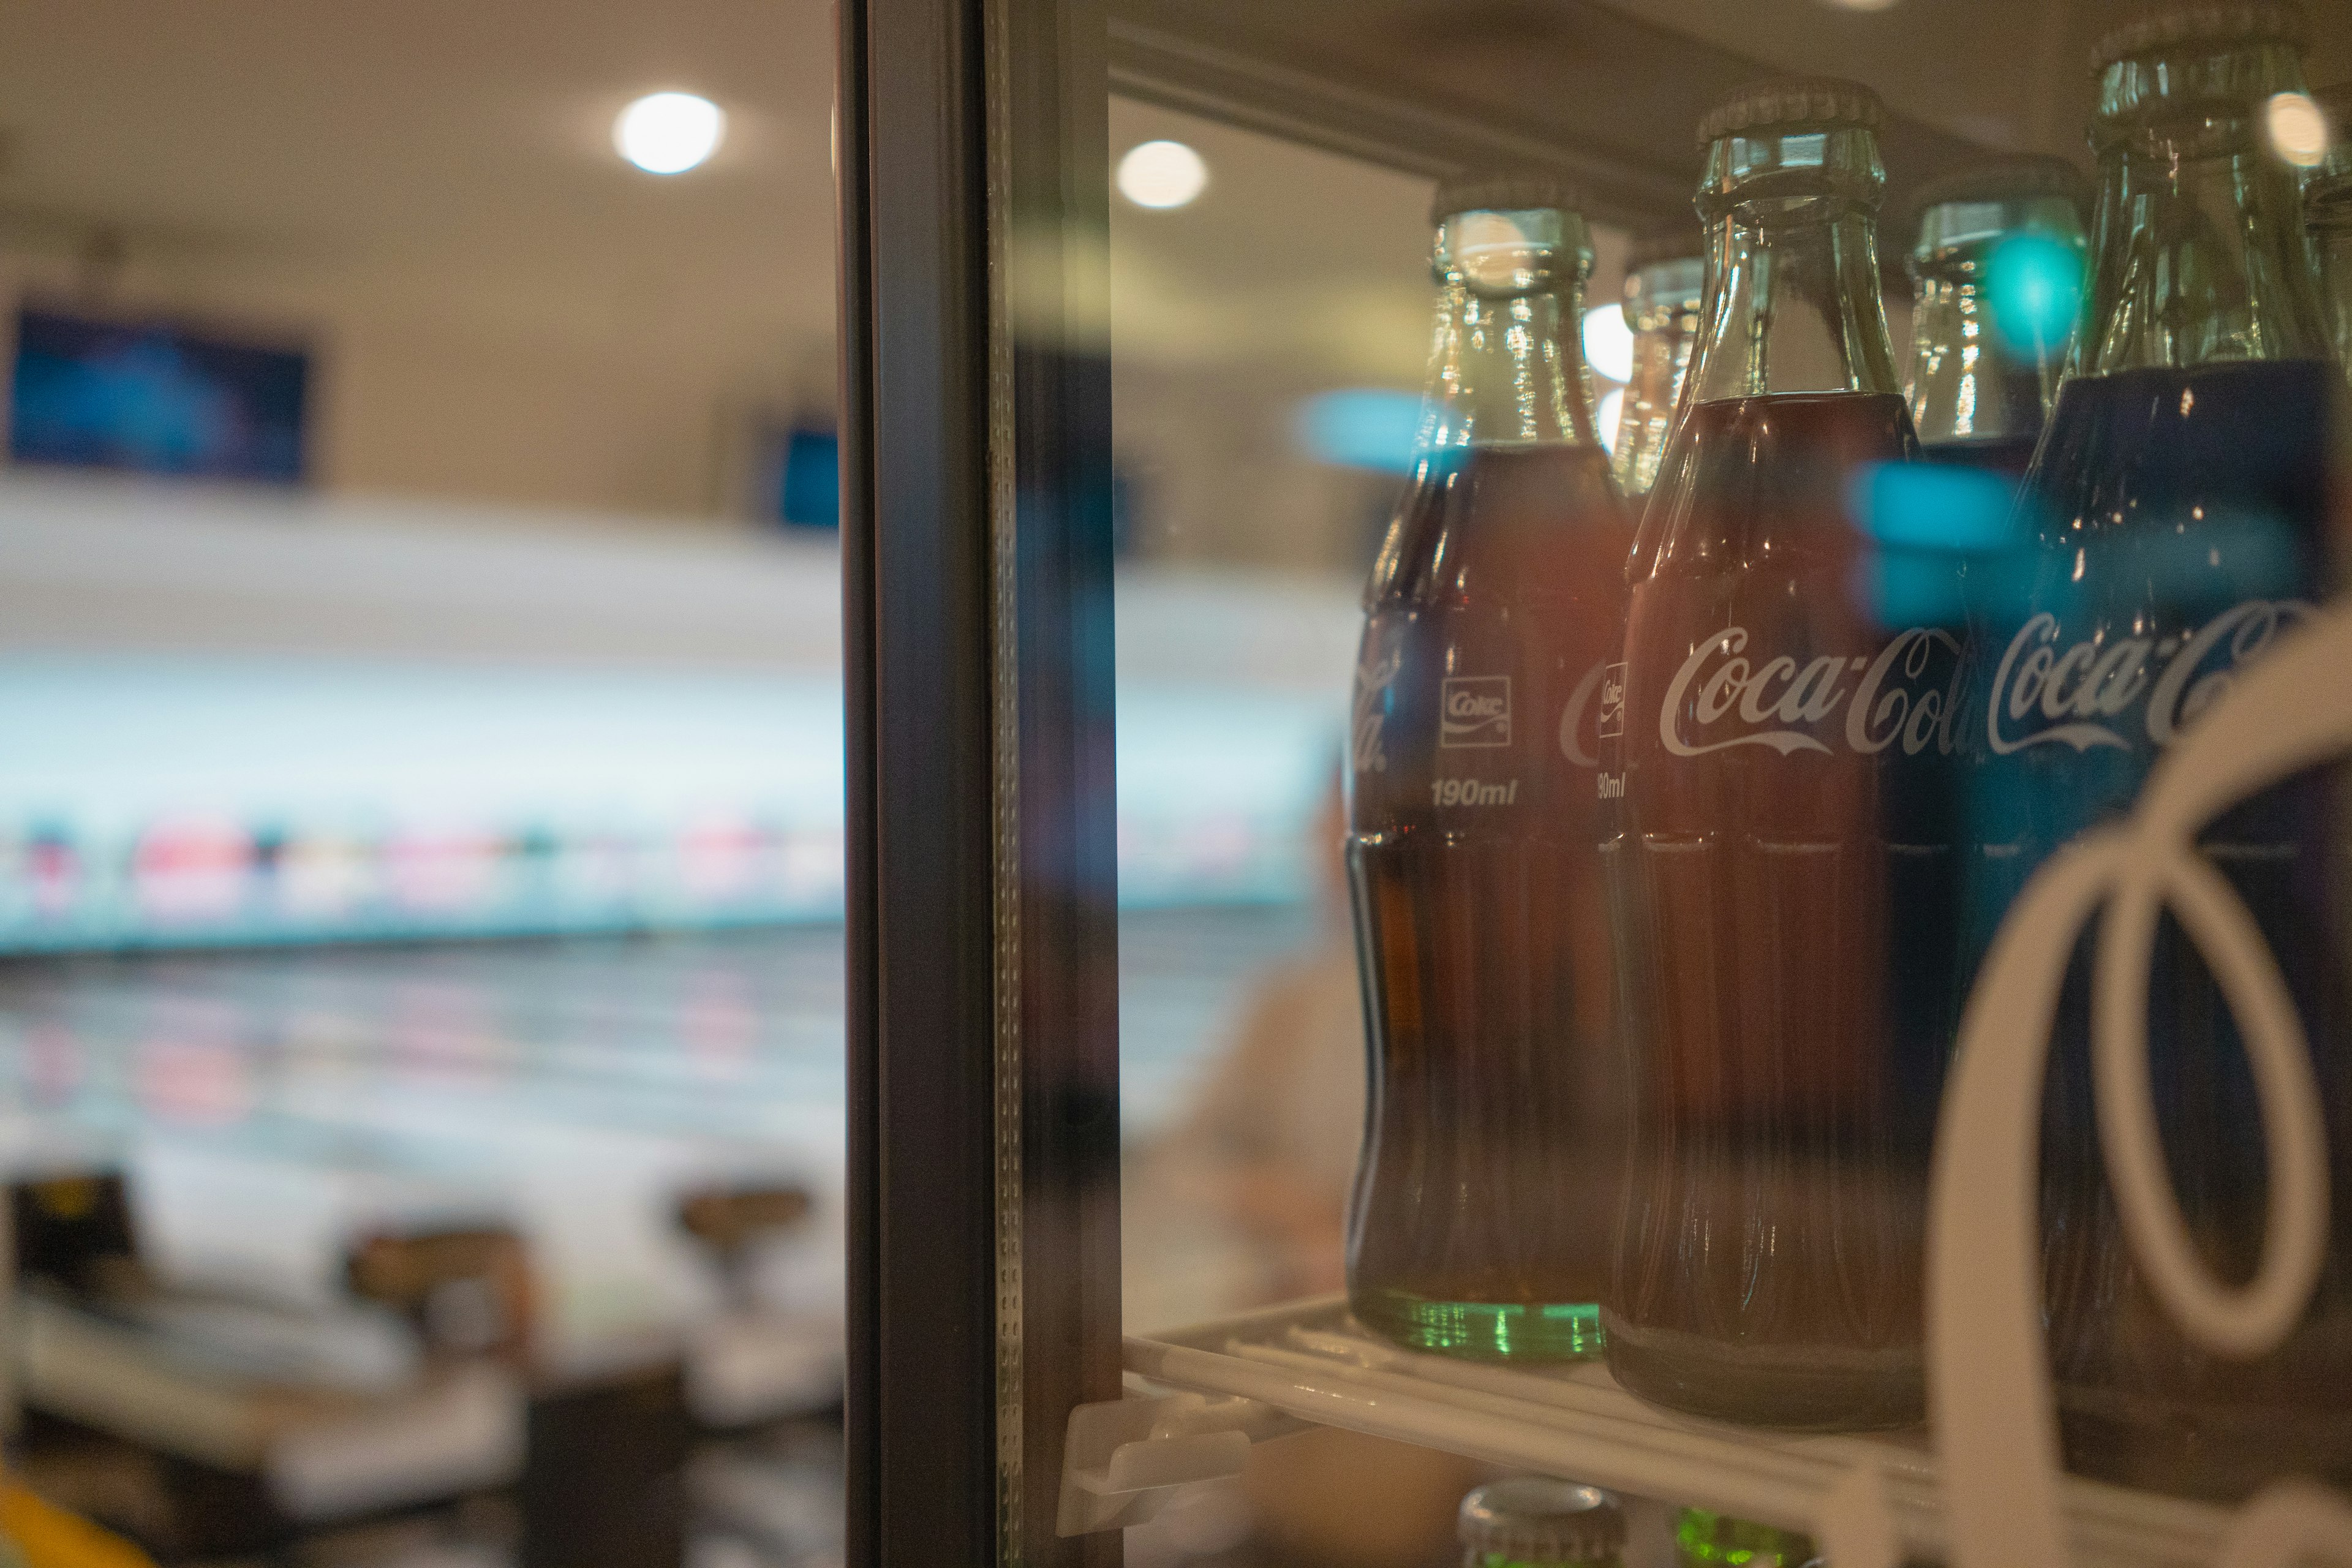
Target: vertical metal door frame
[{"x": 982, "y": 1138}]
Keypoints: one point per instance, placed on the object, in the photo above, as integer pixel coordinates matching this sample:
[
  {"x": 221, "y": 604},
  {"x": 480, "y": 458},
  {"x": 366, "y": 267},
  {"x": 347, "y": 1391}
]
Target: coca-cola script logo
[
  {"x": 1907, "y": 694},
  {"x": 2081, "y": 694},
  {"x": 1475, "y": 711}
]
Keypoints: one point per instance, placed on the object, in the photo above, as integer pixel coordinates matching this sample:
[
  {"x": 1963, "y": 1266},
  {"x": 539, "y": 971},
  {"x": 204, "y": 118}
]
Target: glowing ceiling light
[
  {"x": 1608, "y": 342},
  {"x": 669, "y": 132},
  {"x": 1161, "y": 174},
  {"x": 2298, "y": 130},
  {"x": 1861, "y": 5}
]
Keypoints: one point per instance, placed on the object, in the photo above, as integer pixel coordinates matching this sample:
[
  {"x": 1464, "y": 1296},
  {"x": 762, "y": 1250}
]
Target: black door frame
[{"x": 976, "y": 562}]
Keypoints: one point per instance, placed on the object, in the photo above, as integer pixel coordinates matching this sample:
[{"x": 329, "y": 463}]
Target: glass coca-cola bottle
[
  {"x": 1535, "y": 1521},
  {"x": 1704, "y": 1539},
  {"x": 2328, "y": 214},
  {"x": 1666, "y": 270},
  {"x": 1782, "y": 864},
  {"x": 1484, "y": 694},
  {"x": 1997, "y": 275},
  {"x": 2174, "y": 525}
]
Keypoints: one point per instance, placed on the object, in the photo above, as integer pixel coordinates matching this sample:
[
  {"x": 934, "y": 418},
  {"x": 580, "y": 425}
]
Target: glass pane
[
  {"x": 421, "y": 839},
  {"x": 1629, "y": 563}
]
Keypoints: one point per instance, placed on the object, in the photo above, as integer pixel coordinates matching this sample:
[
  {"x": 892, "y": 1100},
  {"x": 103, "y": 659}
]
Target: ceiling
[
  {"x": 447, "y": 147},
  {"x": 459, "y": 151},
  {"x": 1310, "y": 269},
  {"x": 1614, "y": 90}
]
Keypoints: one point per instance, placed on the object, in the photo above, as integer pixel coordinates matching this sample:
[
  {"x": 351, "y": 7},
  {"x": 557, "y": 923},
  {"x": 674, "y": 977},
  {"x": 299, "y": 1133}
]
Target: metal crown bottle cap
[
  {"x": 1503, "y": 190},
  {"x": 1534, "y": 1518},
  {"x": 2245, "y": 22},
  {"x": 1679, "y": 240},
  {"x": 2010, "y": 179},
  {"x": 1793, "y": 104}
]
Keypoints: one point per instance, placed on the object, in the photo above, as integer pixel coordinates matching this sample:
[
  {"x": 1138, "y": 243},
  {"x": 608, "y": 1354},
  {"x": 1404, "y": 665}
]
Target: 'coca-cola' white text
[{"x": 1907, "y": 695}]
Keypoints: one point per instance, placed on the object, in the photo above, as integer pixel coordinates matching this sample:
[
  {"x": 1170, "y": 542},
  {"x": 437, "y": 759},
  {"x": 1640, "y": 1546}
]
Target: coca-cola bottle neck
[
  {"x": 1662, "y": 308},
  {"x": 2327, "y": 213},
  {"x": 1508, "y": 367},
  {"x": 1972, "y": 376},
  {"x": 1793, "y": 305},
  {"x": 2199, "y": 254}
]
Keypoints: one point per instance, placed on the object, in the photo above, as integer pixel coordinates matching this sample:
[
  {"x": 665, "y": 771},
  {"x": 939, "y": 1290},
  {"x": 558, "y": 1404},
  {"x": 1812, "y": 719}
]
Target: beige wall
[{"x": 636, "y": 404}]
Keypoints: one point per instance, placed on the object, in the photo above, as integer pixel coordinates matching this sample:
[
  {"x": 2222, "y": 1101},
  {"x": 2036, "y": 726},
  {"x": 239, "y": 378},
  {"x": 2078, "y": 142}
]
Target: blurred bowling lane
[{"x": 270, "y": 1104}]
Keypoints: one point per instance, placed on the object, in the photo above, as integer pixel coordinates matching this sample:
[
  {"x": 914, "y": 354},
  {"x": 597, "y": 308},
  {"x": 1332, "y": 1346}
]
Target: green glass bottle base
[
  {"x": 1705, "y": 1540},
  {"x": 1483, "y": 1330}
]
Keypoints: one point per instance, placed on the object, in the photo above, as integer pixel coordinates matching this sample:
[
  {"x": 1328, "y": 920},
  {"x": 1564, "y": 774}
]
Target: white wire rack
[{"x": 1310, "y": 1359}]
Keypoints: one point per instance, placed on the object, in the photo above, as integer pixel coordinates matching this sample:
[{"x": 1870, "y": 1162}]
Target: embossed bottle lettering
[
  {"x": 1888, "y": 706},
  {"x": 2084, "y": 695}
]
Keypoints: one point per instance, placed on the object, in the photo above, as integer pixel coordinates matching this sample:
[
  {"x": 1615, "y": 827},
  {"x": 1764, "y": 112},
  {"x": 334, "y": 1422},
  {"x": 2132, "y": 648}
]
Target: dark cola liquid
[
  {"x": 1484, "y": 701},
  {"x": 2179, "y": 524},
  {"x": 1785, "y": 874},
  {"x": 2008, "y": 456}
]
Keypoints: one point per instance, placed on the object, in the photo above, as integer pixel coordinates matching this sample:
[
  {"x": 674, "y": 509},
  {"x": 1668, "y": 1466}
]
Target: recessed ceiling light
[
  {"x": 669, "y": 132},
  {"x": 1161, "y": 174},
  {"x": 1860, "y": 4},
  {"x": 2297, "y": 129}
]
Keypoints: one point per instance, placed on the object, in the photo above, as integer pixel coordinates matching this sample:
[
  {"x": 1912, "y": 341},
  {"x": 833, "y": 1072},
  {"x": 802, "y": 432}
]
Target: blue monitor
[
  {"x": 810, "y": 494},
  {"x": 156, "y": 397}
]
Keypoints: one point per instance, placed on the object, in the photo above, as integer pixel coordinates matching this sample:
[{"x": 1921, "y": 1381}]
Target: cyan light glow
[
  {"x": 1931, "y": 524},
  {"x": 1608, "y": 342},
  {"x": 1161, "y": 174},
  {"x": 2036, "y": 283},
  {"x": 1929, "y": 505},
  {"x": 1363, "y": 427},
  {"x": 669, "y": 132}
]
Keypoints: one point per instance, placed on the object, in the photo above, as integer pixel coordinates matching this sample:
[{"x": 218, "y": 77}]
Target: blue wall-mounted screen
[
  {"x": 810, "y": 491},
  {"x": 155, "y": 398}
]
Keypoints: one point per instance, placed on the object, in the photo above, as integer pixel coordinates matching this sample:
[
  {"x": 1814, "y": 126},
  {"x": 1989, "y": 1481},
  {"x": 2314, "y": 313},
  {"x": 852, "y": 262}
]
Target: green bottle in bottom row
[{"x": 1708, "y": 1540}]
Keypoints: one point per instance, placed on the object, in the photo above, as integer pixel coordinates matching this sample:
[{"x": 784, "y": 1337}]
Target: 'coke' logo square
[
  {"x": 1613, "y": 701},
  {"x": 1475, "y": 711}
]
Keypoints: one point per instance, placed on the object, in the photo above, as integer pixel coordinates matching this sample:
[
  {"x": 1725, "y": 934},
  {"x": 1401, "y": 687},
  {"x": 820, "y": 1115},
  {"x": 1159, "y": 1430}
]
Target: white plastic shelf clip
[{"x": 1125, "y": 1458}]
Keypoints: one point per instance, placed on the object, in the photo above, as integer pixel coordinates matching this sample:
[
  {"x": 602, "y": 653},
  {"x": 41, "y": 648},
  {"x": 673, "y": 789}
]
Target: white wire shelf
[{"x": 1311, "y": 1360}]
